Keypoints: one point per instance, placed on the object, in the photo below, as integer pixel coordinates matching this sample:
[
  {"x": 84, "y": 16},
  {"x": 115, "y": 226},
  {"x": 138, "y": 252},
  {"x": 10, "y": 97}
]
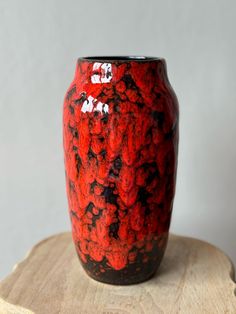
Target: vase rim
[{"x": 121, "y": 58}]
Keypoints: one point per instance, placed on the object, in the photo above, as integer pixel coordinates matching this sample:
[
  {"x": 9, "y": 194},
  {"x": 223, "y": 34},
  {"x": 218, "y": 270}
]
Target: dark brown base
[{"x": 132, "y": 274}]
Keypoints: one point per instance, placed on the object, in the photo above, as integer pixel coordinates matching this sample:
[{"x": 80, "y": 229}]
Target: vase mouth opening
[{"x": 119, "y": 58}]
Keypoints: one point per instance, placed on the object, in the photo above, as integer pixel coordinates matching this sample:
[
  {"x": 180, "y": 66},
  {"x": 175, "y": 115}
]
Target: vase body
[{"x": 120, "y": 135}]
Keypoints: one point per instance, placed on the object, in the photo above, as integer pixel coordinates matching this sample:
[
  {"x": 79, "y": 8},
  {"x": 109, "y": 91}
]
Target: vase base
[
  {"x": 127, "y": 282},
  {"x": 132, "y": 274}
]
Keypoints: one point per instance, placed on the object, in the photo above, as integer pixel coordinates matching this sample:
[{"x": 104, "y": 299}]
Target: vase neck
[{"x": 109, "y": 70}]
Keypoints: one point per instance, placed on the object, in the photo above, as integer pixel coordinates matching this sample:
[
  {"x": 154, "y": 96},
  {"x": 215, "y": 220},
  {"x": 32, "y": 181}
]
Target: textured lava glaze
[{"x": 120, "y": 147}]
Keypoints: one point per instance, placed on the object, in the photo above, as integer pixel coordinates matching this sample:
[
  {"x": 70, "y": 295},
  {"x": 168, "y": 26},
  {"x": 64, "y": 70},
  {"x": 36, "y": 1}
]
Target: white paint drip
[
  {"x": 89, "y": 106},
  {"x": 106, "y": 108},
  {"x": 96, "y": 66},
  {"x": 99, "y": 106},
  {"x": 95, "y": 78},
  {"x": 106, "y": 73}
]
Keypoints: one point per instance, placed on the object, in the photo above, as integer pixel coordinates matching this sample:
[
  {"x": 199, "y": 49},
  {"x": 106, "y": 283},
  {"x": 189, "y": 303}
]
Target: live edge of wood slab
[{"x": 194, "y": 277}]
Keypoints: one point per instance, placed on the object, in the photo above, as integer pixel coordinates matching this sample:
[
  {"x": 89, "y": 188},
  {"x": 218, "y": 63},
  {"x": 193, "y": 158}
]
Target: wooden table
[{"x": 195, "y": 277}]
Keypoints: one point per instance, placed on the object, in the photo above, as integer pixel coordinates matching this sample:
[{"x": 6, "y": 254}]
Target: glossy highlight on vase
[{"x": 120, "y": 131}]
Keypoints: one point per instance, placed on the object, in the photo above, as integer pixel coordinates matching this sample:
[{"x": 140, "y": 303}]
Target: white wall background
[{"x": 39, "y": 44}]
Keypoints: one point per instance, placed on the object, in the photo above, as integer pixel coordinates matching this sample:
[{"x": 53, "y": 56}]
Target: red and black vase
[{"x": 120, "y": 148}]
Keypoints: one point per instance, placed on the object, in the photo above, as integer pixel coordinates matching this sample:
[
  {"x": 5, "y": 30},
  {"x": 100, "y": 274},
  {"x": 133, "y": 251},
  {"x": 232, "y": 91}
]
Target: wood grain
[{"x": 195, "y": 277}]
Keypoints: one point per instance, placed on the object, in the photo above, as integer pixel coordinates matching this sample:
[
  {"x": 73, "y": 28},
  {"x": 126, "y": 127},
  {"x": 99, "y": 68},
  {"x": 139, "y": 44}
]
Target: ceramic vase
[{"x": 120, "y": 134}]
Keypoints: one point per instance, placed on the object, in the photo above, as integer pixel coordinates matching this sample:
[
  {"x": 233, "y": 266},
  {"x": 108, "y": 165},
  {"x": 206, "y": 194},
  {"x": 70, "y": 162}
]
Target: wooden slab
[{"x": 195, "y": 277}]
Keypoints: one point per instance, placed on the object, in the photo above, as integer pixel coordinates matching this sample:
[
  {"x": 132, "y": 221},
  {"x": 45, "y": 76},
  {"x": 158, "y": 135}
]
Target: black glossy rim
[{"x": 119, "y": 58}]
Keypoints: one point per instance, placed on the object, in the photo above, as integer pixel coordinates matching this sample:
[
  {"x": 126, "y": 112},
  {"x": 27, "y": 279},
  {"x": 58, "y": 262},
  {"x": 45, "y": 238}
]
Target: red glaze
[{"x": 120, "y": 144}]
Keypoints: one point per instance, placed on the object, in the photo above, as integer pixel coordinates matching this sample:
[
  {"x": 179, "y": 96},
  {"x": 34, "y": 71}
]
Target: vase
[{"x": 120, "y": 135}]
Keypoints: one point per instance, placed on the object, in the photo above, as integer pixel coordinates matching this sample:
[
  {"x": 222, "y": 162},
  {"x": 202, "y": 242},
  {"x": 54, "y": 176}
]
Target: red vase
[{"x": 120, "y": 148}]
